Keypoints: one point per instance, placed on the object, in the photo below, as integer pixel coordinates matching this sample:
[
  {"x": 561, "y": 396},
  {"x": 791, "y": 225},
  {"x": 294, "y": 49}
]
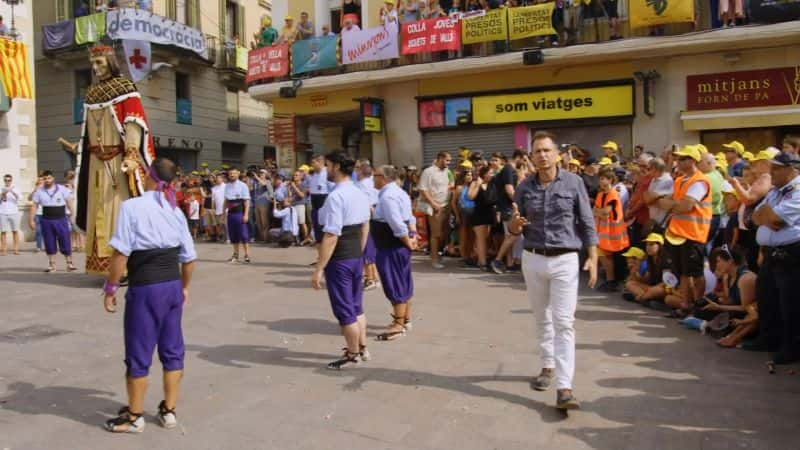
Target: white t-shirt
[
  {"x": 194, "y": 210},
  {"x": 437, "y": 183},
  {"x": 218, "y": 199},
  {"x": 697, "y": 191},
  {"x": 662, "y": 185},
  {"x": 9, "y": 200}
]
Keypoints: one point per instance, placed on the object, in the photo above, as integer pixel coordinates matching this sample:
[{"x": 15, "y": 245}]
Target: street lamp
[{"x": 13, "y": 33}]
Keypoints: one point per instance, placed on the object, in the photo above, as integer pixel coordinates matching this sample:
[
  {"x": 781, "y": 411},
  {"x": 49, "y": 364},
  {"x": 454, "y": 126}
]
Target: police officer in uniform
[
  {"x": 394, "y": 230},
  {"x": 345, "y": 223},
  {"x": 778, "y": 220},
  {"x": 152, "y": 240}
]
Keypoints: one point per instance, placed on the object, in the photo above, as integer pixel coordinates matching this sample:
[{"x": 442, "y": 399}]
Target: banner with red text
[
  {"x": 432, "y": 35},
  {"x": 268, "y": 62},
  {"x": 372, "y": 44}
]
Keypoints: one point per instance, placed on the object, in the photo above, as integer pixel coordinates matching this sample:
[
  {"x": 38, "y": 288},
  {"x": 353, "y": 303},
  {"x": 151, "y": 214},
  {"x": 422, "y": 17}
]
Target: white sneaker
[{"x": 167, "y": 417}]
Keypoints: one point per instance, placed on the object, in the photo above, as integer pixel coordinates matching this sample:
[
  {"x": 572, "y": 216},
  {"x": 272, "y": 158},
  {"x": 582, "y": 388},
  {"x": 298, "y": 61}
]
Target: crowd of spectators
[{"x": 712, "y": 239}]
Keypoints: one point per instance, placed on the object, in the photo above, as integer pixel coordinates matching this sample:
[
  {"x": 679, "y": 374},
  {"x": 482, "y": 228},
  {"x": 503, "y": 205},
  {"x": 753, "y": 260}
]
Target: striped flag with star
[{"x": 14, "y": 71}]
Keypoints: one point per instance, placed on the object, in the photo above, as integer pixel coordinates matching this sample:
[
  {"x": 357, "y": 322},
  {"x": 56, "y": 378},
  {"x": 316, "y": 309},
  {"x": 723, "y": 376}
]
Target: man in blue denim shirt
[{"x": 553, "y": 211}]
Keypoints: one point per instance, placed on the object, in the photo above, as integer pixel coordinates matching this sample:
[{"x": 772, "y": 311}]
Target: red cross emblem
[{"x": 137, "y": 59}]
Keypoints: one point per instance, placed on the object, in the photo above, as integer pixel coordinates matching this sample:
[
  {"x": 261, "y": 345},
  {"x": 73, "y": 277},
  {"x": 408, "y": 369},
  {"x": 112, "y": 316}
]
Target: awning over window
[{"x": 740, "y": 118}]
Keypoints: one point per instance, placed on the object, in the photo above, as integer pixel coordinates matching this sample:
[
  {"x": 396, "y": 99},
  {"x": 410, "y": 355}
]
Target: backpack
[
  {"x": 491, "y": 193},
  {"x": 466, "y": 205}
]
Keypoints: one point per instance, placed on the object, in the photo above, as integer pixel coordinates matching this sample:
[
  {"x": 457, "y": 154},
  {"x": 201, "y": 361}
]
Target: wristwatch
[{"x": 110, "y": 288}]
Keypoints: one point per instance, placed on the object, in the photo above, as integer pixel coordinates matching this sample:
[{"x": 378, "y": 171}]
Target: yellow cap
[
  {"x": 689, "y": 150},
  {"x": 655, "y": 237},
  {"x": 747, "y": 156},
  {"x": 304, "y": 168},
  {"x": 288, "y": 18},
  {"x": 464, "y": 153},
  {"x": 466, "y": 164},
  {"x": 612, "y": 145},
  {"x": 703, "y": 149},
  {"x": 763, "y": 155},
  {"x": 674, "y": 240},
  {"x": 720, "y": 157},
  {"x": 203, "y": 164},
  {"x": 634, "y": 252},
  {"x": 391, "y": 2},
  {"x": 194, "y": 172},
  {"x": 574, "y": 162},
  {"x": 605, "y": 161},
  {"x": 735, "y": 145},
  {"x": 226, "y": 167}
]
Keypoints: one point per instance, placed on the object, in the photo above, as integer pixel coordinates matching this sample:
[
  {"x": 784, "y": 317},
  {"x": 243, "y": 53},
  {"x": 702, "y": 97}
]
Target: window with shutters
[
  {"x": 172, "y": 9},
  {"x": 232, "y": 106},
  {"x": 234, "y": 22}
]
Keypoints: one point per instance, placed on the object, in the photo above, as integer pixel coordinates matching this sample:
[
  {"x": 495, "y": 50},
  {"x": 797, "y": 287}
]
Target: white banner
[
  {"x": 145, "y": 26},
  {"x": 137, "y": 55},
  {"x": 372, "y": 44}
]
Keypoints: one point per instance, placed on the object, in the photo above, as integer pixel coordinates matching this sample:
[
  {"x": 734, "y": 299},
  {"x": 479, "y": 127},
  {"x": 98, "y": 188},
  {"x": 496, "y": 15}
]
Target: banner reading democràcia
[
  {"x": 492, "y": 26},
  {"x": 267, "y": 62},
  {"x": 578, "y": 103},
  {"x": 432, "y": 35},
  {"x": 140, "y": 25},
  {"x": 645, "y": 13},
  {"x": 372, "y": 44},
  {"x": 317, "y": 53},
  {"x": 529, "y": 21}
]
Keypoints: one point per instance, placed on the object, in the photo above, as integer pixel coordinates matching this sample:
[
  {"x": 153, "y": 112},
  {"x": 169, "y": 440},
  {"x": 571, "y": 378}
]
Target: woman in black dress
[{"x": 483, "y": 216}]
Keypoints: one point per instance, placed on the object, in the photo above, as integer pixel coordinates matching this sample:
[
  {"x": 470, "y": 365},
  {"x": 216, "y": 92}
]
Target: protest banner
[
  {"x": 529, "y": 21},
  {"x": 432, "y": 35},
  {"x": 268, "y": 62},
  {"x": 312, "y": 54},
  {"x": 372, "y": 44},
  {"x": 645, "y": 13},
  {"x": 492, "y": 26},
  {"x": 127, "y": 23}
]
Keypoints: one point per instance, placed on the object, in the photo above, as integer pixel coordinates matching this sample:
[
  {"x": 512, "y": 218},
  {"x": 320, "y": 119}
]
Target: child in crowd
[
  {"x": 194, "y": 216},
  {"x": 647, "y": 287}
]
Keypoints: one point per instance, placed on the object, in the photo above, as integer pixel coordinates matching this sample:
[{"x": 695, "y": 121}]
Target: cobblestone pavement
[{"x": 258, "y": 338}]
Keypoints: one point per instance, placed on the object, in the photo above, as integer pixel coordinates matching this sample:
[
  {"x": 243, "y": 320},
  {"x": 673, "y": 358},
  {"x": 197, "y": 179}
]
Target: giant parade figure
[{"x": 114, "y": 153}]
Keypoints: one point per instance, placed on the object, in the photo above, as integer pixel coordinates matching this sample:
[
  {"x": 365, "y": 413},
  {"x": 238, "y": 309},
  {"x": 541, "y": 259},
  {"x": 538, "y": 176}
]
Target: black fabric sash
[
  {"x": 153, "y": 266},
  {"x": 383, "y": 236},
  {"x": 235, "y": 206},
  {"x": 54, "y": 212},
  {"x": 317, "y": 200},
  {"x": 349, "y": 244}
]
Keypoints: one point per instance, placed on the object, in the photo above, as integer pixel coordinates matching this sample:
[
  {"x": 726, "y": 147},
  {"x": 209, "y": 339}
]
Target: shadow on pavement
[
  {"x": 245, "y": 356},
  {"x": 300, "y": 326},
  {"x": 70, "y": 280},
  {"x": 87, "y": 406}
]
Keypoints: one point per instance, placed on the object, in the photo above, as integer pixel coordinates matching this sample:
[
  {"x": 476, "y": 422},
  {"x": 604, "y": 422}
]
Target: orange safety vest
[
  {"x": 695, "y": 224},
  {"x": 612, "y": 232}
]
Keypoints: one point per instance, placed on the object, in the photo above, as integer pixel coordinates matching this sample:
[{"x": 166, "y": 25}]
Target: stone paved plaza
[{"x": 258, "y": 338}]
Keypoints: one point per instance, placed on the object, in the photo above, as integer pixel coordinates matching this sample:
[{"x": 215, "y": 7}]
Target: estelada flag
[
  {"x": 14, "y": 71},
  {"x": 645, "y": 13}
]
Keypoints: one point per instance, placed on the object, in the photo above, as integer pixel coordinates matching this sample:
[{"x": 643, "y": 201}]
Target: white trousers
[{"x": 552, "y": 285}]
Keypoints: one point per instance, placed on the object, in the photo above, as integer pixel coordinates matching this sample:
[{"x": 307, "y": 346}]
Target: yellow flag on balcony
[
  {"x": 645, "y": 13},
  {"x": 14, "y": 71},
  {"x": 90, "y": 28}
]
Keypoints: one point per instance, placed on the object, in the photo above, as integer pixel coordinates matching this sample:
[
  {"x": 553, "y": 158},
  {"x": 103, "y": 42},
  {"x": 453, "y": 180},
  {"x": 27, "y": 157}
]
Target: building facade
[
  {"x": 18, "y": 116},
  {"x": 711, "y": 87},
  {"x": 198, "y": 108}
]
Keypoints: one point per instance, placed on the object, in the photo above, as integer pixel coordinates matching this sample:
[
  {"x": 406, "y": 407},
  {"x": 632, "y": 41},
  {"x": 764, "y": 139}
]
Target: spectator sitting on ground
[
  {"x": 736, "y": 295},
  {"x": 290, "y": 228},
  {"x": 649, "y": 287},
  {"x": 635, "y": 259}
]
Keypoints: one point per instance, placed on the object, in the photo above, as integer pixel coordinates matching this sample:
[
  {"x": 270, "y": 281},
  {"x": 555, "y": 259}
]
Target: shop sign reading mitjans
[
  {"x": 745, "y": 89},
  {"x": 535, "y": 106}
]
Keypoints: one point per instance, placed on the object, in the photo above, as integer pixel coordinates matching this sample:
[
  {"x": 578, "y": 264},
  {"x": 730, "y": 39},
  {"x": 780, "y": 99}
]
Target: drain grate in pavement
[{"x": 31, "y": 333}]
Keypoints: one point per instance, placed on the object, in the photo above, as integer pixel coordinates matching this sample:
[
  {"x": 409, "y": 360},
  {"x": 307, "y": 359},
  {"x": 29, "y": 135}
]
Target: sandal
[
  {"x": 50, "y": 269},
  {"x": 391, "y": 334},
  {"x": 347, "y": 359},
  {"x": 71, "y": 267},
  {"x": 132, "y": 423},
  {"x": 364, "y": 353},
  {"x": 234, "y": 258},
  {"x": 247, "y": 260},
  {"x": 166, "y": 416}
]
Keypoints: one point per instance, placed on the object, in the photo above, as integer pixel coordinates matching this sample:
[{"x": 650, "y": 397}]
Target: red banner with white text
[
  {"x": 432, "y": 35},
  {"x": 268, "y": 62}
]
